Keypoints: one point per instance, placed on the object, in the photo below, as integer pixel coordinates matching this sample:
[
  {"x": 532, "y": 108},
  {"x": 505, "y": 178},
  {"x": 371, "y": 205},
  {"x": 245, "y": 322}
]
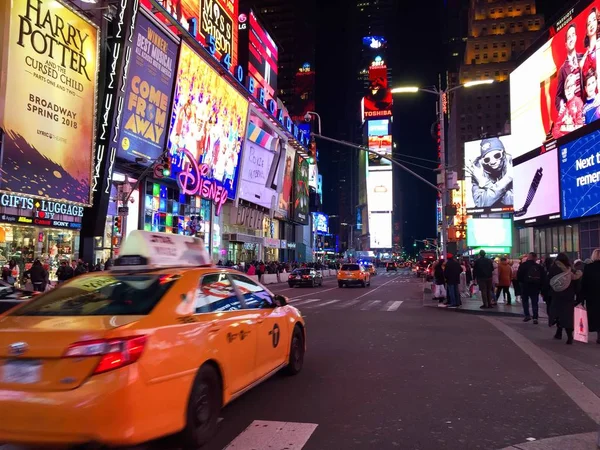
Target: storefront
[
  {"x": 243, "y": 233},
  {"x": 554, "y": 239}
]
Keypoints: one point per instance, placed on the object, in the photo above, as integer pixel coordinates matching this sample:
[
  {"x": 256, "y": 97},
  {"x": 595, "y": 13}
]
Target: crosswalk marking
[
  {"x": 393, "y": 305},
  {"x": 264, "y": 434},
  {"x": 320, "y": 305},
  {"x": 347, "y": 304},
  {"x": 371, "y": 303},
  {"x": 305, "y": 302}
]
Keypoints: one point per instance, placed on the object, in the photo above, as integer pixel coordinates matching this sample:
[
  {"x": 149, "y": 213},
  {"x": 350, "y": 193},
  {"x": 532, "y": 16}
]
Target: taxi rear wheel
[
  {"x": 340, "y": 284},
  {"x": 296, "y": 359},
  {"x": 203, "y": 410}
]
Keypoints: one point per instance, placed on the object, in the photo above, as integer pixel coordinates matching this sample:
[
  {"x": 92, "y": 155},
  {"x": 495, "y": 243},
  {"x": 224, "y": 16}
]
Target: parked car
[{"x": 305, "y": 277}]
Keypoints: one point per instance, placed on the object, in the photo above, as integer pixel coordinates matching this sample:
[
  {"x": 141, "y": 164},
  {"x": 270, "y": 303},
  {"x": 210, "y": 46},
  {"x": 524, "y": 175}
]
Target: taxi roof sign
[{"x": 146, "y": 249}]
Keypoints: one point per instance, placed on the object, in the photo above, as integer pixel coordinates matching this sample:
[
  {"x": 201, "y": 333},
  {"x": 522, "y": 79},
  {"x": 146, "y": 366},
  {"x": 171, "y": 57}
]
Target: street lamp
[
  {"x": 442, "y": 96},
  {"x": 307, "y": 118}
]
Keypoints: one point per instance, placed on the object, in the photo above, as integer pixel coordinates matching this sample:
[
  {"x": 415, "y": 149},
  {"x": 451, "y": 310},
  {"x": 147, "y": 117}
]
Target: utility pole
[{"x": 444, "y": 190}]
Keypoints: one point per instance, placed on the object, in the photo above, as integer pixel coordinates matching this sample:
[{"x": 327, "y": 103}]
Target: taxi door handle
[
  {"x": 260, "y": 320},
  {"x": 214, "y": 329}
]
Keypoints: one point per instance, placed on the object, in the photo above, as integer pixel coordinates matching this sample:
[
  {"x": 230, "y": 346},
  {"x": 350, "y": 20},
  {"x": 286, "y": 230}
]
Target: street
[{"x": 383, "y": 372}]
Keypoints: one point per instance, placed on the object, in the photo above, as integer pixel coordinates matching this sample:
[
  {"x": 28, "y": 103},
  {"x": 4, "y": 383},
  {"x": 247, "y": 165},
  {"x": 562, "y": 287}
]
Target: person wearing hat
[
  {"x": 491, "y": 175},
  {"x": 452, "y": 273}
]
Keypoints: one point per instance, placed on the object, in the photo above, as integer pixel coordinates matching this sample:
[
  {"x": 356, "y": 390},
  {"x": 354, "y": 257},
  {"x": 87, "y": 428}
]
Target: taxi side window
[
  {"x": 255, "y": 295},
  {"x": 216, "y": 294}
]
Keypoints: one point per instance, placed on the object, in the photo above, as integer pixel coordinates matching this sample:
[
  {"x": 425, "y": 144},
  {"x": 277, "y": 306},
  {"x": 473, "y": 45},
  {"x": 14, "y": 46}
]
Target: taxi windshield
[
  {"x": 350, "y": 267},
  {"x": 101, "y": 295}
]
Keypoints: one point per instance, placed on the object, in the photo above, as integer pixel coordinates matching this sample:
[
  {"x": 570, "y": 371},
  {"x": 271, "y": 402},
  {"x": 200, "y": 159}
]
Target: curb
[
  {"x": 480, "y": 312},
  {"x": 583, "y": 441}
]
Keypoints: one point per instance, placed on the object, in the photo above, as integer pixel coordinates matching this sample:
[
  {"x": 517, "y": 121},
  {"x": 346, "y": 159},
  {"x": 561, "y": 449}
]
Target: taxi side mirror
[{"x": 280, "y": 300}]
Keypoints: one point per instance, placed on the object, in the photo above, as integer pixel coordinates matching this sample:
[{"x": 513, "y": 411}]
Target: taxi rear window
[
  {"x": 350, "y": 267},
  {"x": 101, "y": 295}
]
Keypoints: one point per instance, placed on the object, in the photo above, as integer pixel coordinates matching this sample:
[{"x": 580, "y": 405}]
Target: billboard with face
[
  {"x": 301, "y": 191},
  {"x": 285, "y": 198},
  {"x": 148, "y": 94},
  {"x": 48, "y": 86},
  {"x": 207, "y": 127},
  {"x": 555, "y": 91},
  {"x": 536, "y": 187},
  {"x": 489, "y": 175}
]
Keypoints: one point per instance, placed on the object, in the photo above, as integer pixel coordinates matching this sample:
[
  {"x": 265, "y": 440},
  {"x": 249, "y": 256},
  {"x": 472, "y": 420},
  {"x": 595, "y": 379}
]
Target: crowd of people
[{"x": 561, "y": 284}]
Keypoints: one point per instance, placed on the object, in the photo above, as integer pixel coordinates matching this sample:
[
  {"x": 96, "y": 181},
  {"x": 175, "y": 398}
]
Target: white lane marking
[
  {"x": 393, "y": 305},
  {"x": 346, "y": 304},
  {"x": 373, "y": 290},
  {"x": 305, "y": 301},
  {"x": 320, "y": 305},
  {"x": 264, "y": 434},
  {"x": 314, "y": 292},
  {"x": 371, "y": 303}
]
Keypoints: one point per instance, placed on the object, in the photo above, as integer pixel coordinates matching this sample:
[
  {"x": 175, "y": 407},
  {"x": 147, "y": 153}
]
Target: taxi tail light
[
  {"x": 114, "y": 353},
  {"x": 306, "y": 277}
]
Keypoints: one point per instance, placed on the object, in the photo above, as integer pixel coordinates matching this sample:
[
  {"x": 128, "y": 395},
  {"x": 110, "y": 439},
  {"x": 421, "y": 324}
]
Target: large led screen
[
  {"x": 380, "y": 191},
  {"x": 536, "y": 187},
  {"x": 320, "y": 223},
  {"x": 301, "y": 191},
  {"x": 262, "y": 153},
  {"x": 148, "y": 93},
  {"x": 378, "y": 127},
  {"x": 285, "y": 198},
  {"x": 380, "y": 230},
  {"x": 489, "y": 232},
  {"x": 207, "y": 127},
  {"x": 554, "y": 92},
  {"x": 382, "y": 146},
  {"x": 580, "y": 176},
  {"x": 377, "y": 103},
  {"x": 489, "y": 175}
]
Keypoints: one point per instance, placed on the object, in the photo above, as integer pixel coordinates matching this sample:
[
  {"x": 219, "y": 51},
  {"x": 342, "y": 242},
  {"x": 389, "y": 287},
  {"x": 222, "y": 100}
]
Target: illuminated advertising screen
[
  {"x": 489, "y": 175},
  {"x": 48, "y": 86},
  {"x": 206, "y": 17},
  {"x": 554, "y": 92},
  {"x": 380, "y": 230},
  {"x": 536, "y": 187},
  {"x": 148, "y": 93},
  {"x": 378, "y": 127},
  {"x": 382, "y": 146},
  {"x": 285, "y": 198},
  {"x": 313, "y": 176},
  {"x": 301, "y": 191},
  {"x": 377, "y": 103},
  {"x": 374, "y": 42},
  {"x": 258, "y": 52},
  {"x": 320, "y": 223},
  {"x": 261, "y": 155},
  {"x": 207, "y": 130},
  {"x": 489, "y": 232},
  {"x": 380, "y": 191},
  {"x": 580, "y": 176}
]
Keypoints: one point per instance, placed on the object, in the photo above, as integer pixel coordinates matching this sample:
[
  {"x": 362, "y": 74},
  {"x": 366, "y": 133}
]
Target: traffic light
[
  {"x": 414, "y": 243},
  {"x": 166, "y": 167},
  {"x": 312, "y": 151},
  {"x": 118, "y": 225},
  {"x": 452, "y": 233}
]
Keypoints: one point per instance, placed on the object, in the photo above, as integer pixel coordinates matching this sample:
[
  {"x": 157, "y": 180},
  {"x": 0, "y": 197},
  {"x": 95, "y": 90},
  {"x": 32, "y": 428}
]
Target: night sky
[{"x": 416, "y": 55}]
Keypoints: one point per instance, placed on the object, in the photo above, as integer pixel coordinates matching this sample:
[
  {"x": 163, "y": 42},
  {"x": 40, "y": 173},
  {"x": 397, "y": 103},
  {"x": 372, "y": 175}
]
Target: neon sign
[{"x": 192, "y": 180}]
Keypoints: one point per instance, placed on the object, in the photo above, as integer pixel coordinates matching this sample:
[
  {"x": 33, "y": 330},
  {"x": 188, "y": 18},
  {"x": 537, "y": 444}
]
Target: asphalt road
[{"x": 383, "y": 372}]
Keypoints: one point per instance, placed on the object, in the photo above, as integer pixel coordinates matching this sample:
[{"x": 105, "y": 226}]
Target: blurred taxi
[
  {"x": 156, "y": 346},
  {"x": 370, "y": 268},
  {"x": 353, "y": 274}
]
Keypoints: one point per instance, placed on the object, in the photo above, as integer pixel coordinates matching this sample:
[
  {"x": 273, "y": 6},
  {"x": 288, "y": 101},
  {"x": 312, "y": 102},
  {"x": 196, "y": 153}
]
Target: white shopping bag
[
  {"x": 581, "y": 325},
  {"x": 439, "y": 291}
]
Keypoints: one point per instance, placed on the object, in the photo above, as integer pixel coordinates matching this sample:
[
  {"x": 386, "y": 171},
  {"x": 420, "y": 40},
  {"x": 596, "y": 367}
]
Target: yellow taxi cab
[
  {"x": 154, "y": 347},
  {"x": 353, "y": 274},
  {"x": 370, "y": 268}
]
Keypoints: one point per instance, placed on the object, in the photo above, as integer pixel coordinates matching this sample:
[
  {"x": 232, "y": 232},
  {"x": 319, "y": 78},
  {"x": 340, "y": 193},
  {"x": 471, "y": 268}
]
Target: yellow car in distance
[
  {"x": 370, "y": 268},
  {"x": 353, "y": 274},
  {"x": 154, "y": 347}
]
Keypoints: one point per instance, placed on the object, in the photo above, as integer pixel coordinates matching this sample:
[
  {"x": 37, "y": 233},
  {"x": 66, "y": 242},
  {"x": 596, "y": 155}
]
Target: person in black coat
[
  {"x": 590, "y": 290},
  {"x": 452, "y": 274},
  {"x": 562, "y": 307},
  {"x": 38, "y": 276}
]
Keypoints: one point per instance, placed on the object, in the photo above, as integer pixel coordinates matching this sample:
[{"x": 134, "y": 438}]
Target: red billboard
[{"x": 201, "y": 18}]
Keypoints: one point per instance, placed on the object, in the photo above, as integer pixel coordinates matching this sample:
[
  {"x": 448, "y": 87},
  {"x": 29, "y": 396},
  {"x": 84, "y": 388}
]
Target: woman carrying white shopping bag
[{"x": 564, "y": 282}]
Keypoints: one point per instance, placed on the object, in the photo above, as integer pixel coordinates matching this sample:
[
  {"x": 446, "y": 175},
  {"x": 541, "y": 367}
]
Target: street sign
[{"x": 123, "y": 211}]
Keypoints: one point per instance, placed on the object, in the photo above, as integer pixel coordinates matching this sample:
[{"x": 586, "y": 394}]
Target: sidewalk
[{"x": 585, "y": 441}]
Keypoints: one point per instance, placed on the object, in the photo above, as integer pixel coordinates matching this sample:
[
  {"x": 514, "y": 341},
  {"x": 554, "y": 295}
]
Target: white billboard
[
  {"x": 380, "y": 191},
  {"x": 380, "y": 229}
]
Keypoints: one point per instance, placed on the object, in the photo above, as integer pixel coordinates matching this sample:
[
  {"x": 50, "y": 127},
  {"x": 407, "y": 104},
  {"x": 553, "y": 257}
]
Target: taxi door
[
  {"x": 273, "y": 335},
  {"x": 232, "y": 331}
]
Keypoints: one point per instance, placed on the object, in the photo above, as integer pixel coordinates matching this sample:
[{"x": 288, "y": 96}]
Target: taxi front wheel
[
  {"x": 296, "y": 360},
  {"x": 203, "y": 410}
]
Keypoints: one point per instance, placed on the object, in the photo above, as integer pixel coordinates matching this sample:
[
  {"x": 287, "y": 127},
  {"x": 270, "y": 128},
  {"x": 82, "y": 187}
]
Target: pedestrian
[
  {"x": 80, "y": 269},
  {"x": 495, "y": 262},
  {"x": 504, "y": 279},
  {"x": 64, "y": 272},
  {"x": 452, "y": 273},
  {"x": 546, "y": 290},
  {"x": 515, "y": 282},
  {"x": 38, "y": 276},
  {"x": 439, "y": 289},
  {"x": 531, "y": 276},
  {"x": 590, "y": 287},
  {"x": 261, "y": 270},
  {"x": 483, "y": 271},
  {"x": 565, "y": 284},
  {"x": 251, "y": 270}
]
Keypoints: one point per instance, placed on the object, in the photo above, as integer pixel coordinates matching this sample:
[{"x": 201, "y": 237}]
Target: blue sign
[
  {"x": 378, "y": 127},
  {"x": 320, "y": 222},
  {"x": 580, "y": 176}
]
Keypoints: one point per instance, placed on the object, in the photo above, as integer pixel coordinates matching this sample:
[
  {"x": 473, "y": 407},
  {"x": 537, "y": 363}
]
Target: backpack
[
  {"x": 560, "y": 282},
  {"x": 534, "y": 275}
]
